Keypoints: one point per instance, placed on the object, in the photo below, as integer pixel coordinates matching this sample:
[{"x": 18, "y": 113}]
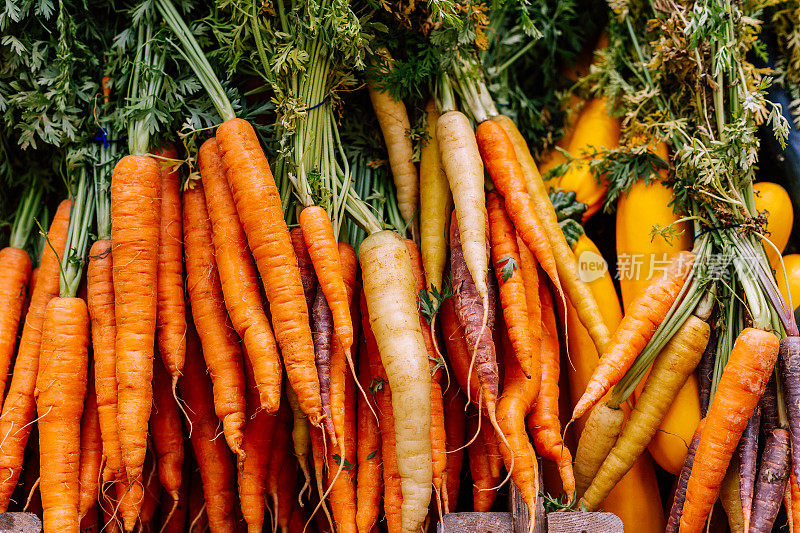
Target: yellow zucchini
[
  {"x": 595, "y": 129},
  {"x": 636, "y": 495},
  {"x": 639, "y": 253},
  {"x": 774, "y": 199},
  {"x": 792, "y": 265}
]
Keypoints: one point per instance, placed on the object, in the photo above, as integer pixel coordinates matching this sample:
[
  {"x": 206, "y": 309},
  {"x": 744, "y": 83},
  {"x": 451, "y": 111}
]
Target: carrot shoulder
[
  {"x": 741, "y": 385},
  {"x": 135, "y": 229},
  {"x": 259, "y": 206},
  {"x": 19, "y": 408}
]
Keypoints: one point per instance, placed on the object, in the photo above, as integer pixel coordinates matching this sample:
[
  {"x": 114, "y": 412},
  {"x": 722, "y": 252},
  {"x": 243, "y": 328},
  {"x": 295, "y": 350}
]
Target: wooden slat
[
  {"x": 584, "y": 523},
  {"x": 475, "y": 522},
  {"x": 20, "y": 523}
]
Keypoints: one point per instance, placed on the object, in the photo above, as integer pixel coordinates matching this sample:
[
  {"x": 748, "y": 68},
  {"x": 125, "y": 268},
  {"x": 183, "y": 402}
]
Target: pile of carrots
[{"x": 187, "y": 354}]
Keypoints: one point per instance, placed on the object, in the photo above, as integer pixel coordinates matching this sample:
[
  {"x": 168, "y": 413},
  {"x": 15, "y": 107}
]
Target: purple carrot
[
  {"x": 674, "y": 522},
  {"x": 790, "y": 372},
  {"x": 322, "y": 334},
  {"x": 705, "y": 372},
  {"x": 769, "y": 408},
  {"x": 307, "y": 275},
  {"x": 771, "y": 483},
  {"x": 469, "y": 309},
  {"x": 748, "y": 464}
]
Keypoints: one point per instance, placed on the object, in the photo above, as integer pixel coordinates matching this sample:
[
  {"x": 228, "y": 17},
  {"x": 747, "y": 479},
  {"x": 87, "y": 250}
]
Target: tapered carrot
[
  {"x": 639, "y": 324},
  {"x": 519, "y": 397},
  {"x": 343, "y": 413},
  {"x": 679, "y": 497},
  {"x": 278, "y": 454},
  {"x": 257, "y": 444},
  {"x": 471, "y": 312},
  {"x": 322, "y": 248},
  {"x": 369, "y": 486},
  {"x": 216, "y": 464},
  {"x": 458, "y": 352},
  {"x": 152, "y": 492},
  {"x": 484, "y": 482},
  {"x": 322, "y": 320},
  {"x": 434, "y": 200},
  {"x": 748, "y": 464},
  {"x": 301, "y": 438},
  {"x": 543, "y": 420},
  {"x": 577, "y": 291},
  {"x": 379, "y": 385},
  {"x": 462, "y": 164},
  {"x": 171, "y": 310},
  {"x": 394, "y": 123},
  {"x": 670, "y": 371},
  {"x": 286, "y": 496},
  {"x": 60, "y": 393},
  {"x": 167, "y": 434},
  {"x": 505, "y": 259},
  {"x": 533, "y": 306},
  {"x": 135, "y": 229},
  {"x": 15, "y": 272},
  {"x": 742, "y": 383},
  {"x": 790, "y": 367},
  {"x": 772, "y": 478},
  {"x": 259, "y": 206},
  {"x": 19, "y": 407},
  {"x": 318, "y": 459},
  {"x": 388, "y": 282},
  {"x": 91, "y": 456},
  {"x": 455, "y": 428},
  {"x": 597, "y": 439},
  {"x": 100, "y": 298},
  {"x": 221, "y": 349},
  {"x": 239, "y": 278},
  {"x": 438, "y": 434},
  {"x": 174, "y": 517}
]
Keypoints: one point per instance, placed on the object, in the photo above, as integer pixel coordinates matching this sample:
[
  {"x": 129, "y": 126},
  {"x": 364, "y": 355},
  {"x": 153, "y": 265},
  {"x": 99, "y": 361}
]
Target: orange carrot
[
  {"x": 15, "y": 271},
  {"x": 135, "y": 228},
  {"x": 167, "y": 434},
  {"x": 646, "y": 313},
  {"x": 742, "y": 383},
  {"x": 543, "y": 420},
  {"x": 60, "y": 393},
  {"x": 100, "y": 297},
  {"x": 506, "y": 260},
  {"x": 484, "y": 481},
  {"x": 259, "y": 206},
  {"x": 455, "y": 427},
  {"x": 370, "y": 481},
  {"x": 322, "y": 248},
  {"x": 216, "y": 464},
  {"x": 343, "y": 406},
  {"x": 152, "y": 492},
  {"x": 171, "y": 310},
  {"x": 503, "y": 167},
  {"x": 278, "y": 453},
  {"x": 91, "y": 456},
  {"x": 257, "y": 444},
  {"x": 19, "y": 407},
  {"x": 174, "y": 517},
  {"x": 221, "y": 349},
  {"x": 379, "y": 385},
  {"x": 239, "y": 278},
  {"x": 533, "y": 305}
]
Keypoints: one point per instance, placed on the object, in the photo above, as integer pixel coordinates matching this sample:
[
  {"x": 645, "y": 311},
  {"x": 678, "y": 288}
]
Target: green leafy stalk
[
  {"x": 78, "y": 233},
  {"x": 28, "y": 207}
]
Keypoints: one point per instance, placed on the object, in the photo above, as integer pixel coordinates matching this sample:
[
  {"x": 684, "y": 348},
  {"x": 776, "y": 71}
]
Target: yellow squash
[
  {"x": 792, "y": 265},
  {"x": 774, "y": 199},
  {"x": 639, "y": 253},
  {"x": 640, "y": 256},
  {"x": 636, "y": 496},
  {"x": 595, "y": 129}
]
